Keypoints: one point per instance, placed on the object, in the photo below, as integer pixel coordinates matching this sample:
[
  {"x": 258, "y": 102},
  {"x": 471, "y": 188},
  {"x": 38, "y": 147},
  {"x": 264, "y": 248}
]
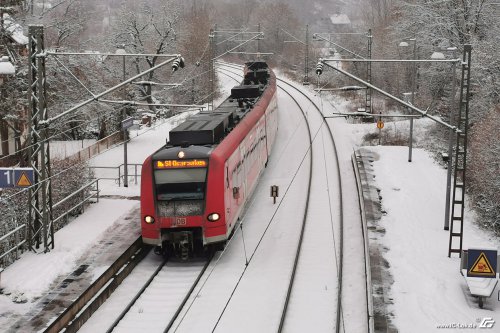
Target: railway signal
[
  {"x": 319, "y": 68},
  {"x": 178, "y": 62},
  {"x": 274, "y": 192}
]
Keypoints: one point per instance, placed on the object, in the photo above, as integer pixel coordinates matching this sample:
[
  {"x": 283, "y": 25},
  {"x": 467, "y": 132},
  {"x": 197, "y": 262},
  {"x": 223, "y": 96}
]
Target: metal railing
[
  {"x": 120, "y": 172},
  {"x": 98, "y": 147},
  {"x": 19, "y": 240},
  {"x": 13, "y": 241},
  {"x": 93, "y": 193}
]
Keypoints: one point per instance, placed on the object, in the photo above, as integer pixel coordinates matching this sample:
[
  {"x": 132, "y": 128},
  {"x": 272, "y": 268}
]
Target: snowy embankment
[
  {"x": 425, "y": 287},
  {"x": 428, "y": 289}
]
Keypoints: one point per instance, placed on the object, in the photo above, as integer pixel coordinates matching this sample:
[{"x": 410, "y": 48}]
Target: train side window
[{"x": 227, "y": 177}]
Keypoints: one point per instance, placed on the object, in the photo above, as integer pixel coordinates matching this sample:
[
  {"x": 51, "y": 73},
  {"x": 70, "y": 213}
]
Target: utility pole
[
  {"x": 413, "y": 86},
  {"x": 451, "y": 138},
  {"x": 40, "y": 228},
  {"x": 368, "y": 94},
  {"x": 258, "y": 40},
  {"x": 306, "y": 60},
  {"x": 212, "y": 69}
]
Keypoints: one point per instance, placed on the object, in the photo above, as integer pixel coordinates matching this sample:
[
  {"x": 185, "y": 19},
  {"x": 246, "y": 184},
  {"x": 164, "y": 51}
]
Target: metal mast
[
  {"x": 458, "y": 203},
  {"x": 306, "y": 60},
  {"x": 368, "y": 101},
  {"x": 40, "y": 228},
  {"x": 212, "y": 69}
]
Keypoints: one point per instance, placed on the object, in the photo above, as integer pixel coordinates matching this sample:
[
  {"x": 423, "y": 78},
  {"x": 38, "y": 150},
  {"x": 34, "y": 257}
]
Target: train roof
[{"x": 210, "y": 127}]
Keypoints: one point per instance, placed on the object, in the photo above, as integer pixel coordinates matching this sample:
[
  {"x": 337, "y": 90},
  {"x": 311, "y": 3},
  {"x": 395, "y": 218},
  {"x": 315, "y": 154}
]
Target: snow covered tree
[
  {"x": 484, "y": 169},
  {"x": 147, "y": 27},
  {"x": 194, "y": 45}
]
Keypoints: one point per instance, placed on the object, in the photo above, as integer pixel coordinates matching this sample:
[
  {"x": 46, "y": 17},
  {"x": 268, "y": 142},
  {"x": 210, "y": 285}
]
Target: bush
[{"x": 483, "y": 166}]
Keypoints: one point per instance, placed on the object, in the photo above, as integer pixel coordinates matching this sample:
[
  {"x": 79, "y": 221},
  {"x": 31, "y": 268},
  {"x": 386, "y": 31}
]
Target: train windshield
[{"x": 180, "y": 184}]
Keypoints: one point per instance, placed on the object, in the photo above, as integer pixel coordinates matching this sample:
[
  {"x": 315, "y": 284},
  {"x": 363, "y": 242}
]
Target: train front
[{"x": 173, "y": 199}]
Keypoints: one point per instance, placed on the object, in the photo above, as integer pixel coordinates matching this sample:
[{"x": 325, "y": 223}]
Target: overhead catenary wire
[
  {"x": 340, "y": 323},
  {"x": 46, "y": 140},
  {"x": 257, "y": 246},
  {"x": 62, "y": 171}
]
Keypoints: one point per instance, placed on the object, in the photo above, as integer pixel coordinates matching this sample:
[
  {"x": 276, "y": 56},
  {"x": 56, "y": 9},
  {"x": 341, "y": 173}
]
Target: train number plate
[{"x": 179, "y": 221}]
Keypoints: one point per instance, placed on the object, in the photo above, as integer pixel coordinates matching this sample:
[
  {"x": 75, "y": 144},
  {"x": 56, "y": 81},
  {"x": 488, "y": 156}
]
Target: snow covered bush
[{"x": 484, "y": 171}]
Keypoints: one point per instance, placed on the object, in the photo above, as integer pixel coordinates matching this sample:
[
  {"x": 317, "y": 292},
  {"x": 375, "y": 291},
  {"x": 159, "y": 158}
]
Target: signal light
[
  {"x": 178, "y": 62},
  {"x": 149, "y": 219},
  {"x": 319, "y": 68},
  {"x": 213, "y": 217}
]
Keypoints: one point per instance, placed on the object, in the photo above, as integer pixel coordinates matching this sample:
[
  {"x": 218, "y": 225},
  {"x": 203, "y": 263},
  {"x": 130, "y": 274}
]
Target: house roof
[
  {"x": 14, "y": 29},
  {"x": 340, "y": 19}
]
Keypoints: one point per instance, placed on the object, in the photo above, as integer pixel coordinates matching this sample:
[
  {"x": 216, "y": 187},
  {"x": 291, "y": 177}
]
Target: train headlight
[
  {"x": 181, "y": 154},
  {"x": 149, "y": 219},
  {"x": 213, "y": 217}
]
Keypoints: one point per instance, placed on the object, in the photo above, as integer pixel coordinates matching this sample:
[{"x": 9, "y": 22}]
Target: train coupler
[{"x": 184, "y": 245}]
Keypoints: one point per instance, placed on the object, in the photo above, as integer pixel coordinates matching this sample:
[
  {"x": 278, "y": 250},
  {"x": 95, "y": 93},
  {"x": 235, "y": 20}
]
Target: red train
[{"x": 194, "y": 189}]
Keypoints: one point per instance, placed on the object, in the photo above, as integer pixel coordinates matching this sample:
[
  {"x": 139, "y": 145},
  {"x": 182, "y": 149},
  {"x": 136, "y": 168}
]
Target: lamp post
[
  {"x": 125, "y": 136},
  {"x": 413, "y": 81}
]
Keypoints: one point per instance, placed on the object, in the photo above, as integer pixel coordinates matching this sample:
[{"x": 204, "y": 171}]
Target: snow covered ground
[{"x": 427, "y": 288}]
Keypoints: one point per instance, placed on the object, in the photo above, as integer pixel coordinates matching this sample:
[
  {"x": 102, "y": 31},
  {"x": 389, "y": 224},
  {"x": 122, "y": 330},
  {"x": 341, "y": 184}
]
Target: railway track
[
  {"x": 318, "y": 146},
  {"x": 162, "y": 296},
  {"x": 71, "y": 319},
  {"x": 160, "y": 293},
  {"x": 159, "y": 302}
]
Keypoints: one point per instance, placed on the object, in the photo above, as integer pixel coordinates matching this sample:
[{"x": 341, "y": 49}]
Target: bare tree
[{"x": 147, "y": 28}]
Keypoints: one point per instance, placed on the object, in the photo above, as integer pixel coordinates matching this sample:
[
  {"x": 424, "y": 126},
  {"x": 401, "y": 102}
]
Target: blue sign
[
  {"x": 127, "y": 123},
  {"x": 16, "y": 177},
  {"x": 482, "y": 263}
]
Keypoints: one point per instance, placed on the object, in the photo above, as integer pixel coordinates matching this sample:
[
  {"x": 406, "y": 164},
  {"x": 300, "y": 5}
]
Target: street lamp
[
  {"x": 413, "y": 80},
  {"x": 125, "y": 134},
  {"x": 6, "y": 68}
]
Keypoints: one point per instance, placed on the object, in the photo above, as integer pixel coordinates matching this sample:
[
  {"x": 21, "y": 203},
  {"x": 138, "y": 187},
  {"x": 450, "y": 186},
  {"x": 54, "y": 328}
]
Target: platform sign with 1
[
  {"x": 127, "y": 123},
  {"x": 16, "y": 177}
]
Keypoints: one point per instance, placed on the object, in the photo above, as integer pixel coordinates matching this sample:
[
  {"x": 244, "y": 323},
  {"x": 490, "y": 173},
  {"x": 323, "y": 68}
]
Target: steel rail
[
  {"x": 71, "y": 319},
  {"x": 341, "y": 217},
  {"x": 148, "y": 284},
  {"x": 299, "y": 244},
  {"x": 341, "y": 214},
  {"x": 188, "y": 295},
  {"x": 304, "y": 219},
  {"x": 136, "y": 297}
]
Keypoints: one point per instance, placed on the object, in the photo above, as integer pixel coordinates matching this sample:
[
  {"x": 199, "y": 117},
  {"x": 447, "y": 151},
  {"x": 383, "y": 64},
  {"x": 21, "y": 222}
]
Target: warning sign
[
  {"x": 380, "y": 124},
  {"x": 482, "y": 263},
  {"x": 23, "y": 181},
  {"x": 16, "y": 177}
]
